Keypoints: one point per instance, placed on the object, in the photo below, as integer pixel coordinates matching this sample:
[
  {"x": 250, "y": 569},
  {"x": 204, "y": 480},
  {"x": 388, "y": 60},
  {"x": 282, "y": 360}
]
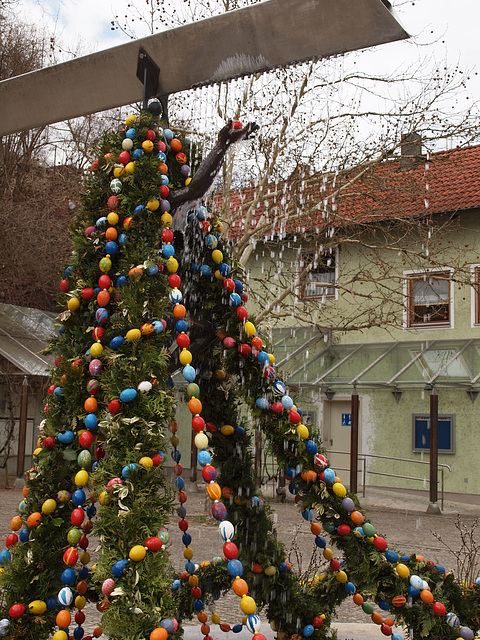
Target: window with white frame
[
  {"x": 429, "y": 299},
  {"x": 319, "y": 281}
]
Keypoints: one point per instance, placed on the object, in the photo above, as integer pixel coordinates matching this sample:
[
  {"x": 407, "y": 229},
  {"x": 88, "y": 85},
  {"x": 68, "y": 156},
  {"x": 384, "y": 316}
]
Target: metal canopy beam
[{"x": 258, "y": 38}]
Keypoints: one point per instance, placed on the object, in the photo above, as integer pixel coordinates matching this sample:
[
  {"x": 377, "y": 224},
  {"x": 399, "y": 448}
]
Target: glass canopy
[
  {"x": 402, "y": 365},
  {"x": 24, "y": 334}
]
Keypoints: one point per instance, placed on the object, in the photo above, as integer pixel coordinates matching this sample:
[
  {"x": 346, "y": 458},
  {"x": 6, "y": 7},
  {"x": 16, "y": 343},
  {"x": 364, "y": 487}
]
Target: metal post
[
  {"x": 354, "y": 442},
  {"x": 22, "y": 434},
  {"x": 433, "y": 506}
]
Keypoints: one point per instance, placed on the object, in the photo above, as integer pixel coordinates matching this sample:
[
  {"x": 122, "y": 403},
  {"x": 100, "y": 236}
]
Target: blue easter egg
[
  {"x": 383, "y": 605},
  {"x": 282, "y": 567},
  {"x": 51, "y": 603},
  {"x": 24, "y": 535},
  {"x": 235, "y": 300},
  {"x": 128, "y": 395},
  {"x": 167, "y": 624},
  {"x": 411, "y": 591},
  {"x": 179, "y": 483},
  {"x": 176, "y": 455},
  {"x": 237, "y": 628},
  {"x": 157, "y": 326},
  {"x": 91, "y": 421},
  {"x": 350, "y": 588},
  {"x": 329, "y": 474},
  {"x": 189, "y": 567},
  {"x": 203, "y": 458},
  {"x": 69, "y": 271},
  {"x": 307, "y": 514},
  {"x": 441, "y": 569},
  {"x": 201, "y": 212},
  {"x": 78, "y": 497},
  {"x": 219, "y": 511},
  {"x": 311, "y": 447},
  {"x": 168, "y": 134},
  {"x": 129, "y": 470},
  {"x": 255, "y": 501},
  {"x": 358, "y": 532},
  {"x": 168, "y": 250},
  {"x": 116, "y": 342},
  {"x": 175, "y": 296},
  {"x": 205, "y": 270},
  {"x": 189, "y": 373},
  {"x": 176, "y": 584},
  {"x": 152, "y": 270},
  {"x": 239, "y": 431},
  {"x": 181, "y": 325},
  {"x": 320, "y": 542},
  {"x": 111, "y": 247},
  {"x": 186, "y": 539},
  {"x": 78, "y": 633},
  {"x": 65, "y": 437},
  {"x": 101, "y": 222},
  {"x": 291, "y": 472},
  {"x": 131, "y": 133},
  {"x": 308, "y": 630},
  {"x": 121, "y": 280},
  {"x": 68, "y": 576},
  {"x": 235, "y": 568},
  {"x": 253, "y": 623},
  {"x": 224, "y": 269},
  {"x": 162, "y": 158},
  {"x": 391, "y": 556},
  {"x": 119, "y": 568},
  {"x": 5, "y": 556},
  {"x": 139, "y": 209},
  {"x": 287, "y": 402},
  {"x": 262, "y": 403},
  {"x": 91, "y": 510},
  {"x": 122, "y": 240},
  {"x": 404, "y": 559},
  {"x": 263, "y": 357},
  {"x": 238, "y": 285}
]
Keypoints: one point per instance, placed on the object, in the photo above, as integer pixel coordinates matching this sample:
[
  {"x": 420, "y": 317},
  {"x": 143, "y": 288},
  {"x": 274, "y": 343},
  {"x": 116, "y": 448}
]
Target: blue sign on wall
[{"x": 346, "y": 419}]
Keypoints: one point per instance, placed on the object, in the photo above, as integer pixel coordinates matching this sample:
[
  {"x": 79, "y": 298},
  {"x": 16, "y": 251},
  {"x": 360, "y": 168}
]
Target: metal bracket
[{"x": 148, "y": 72}]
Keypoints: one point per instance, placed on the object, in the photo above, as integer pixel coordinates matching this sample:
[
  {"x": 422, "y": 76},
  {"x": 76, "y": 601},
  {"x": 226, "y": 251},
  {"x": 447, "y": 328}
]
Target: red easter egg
[
  {"x": 198, "y": 423},
  {"x": 51, "y": 389},
  {"x": 64, "y": 285},
  {"x": 83, "y": 542},
  {"x": 164, "y": 192},
  {"x": 77, "y": 517},
  {"x": 99, "y": 453},
  {"x": 16, "y": 611},
  {"x": 161, "y": 146},
  {"x": 228, "y": 343},
  {"x": 150, "y": 135},
  {"x": 167, "y": 236},
  {"x": 11, "y": 540},
  {"x": 317, "y": 622},
  {"x": 211, "y": 427},
  {"x": 182, "y": 524},
  {"x": 386, "y": 630},
  {"x": 174, "y": 280},
  {"x": 85, "y": 439},
  {"x": 343, "y": 529},
  {"x": 439, "y": 608},
  {"x": 87, "y": 293},
  {"x": 113, "y": 203},
  {"x": 154, "y": 543},
  {"x": 230, "y": 550},
  {"x": 380, "y": 543},
  {"x": 98, "y": 333},
  {"x": 334, "y": 565},
  {"x": 183, "y": 341},
  {"x": 49, "y": 442},
  {"x": 242, "y": 313},
  {"x": 70, "y": 556},
  {"x": 244, "y": 349},
  {"x": 124, "y": 157},
  {"x": 104, "y": 281},
  {"x": 157, "y": 460},
  {"x": 294, "y": 417},
  {"x": 114, "y": 406},
  {"x": 181, "y": 158},
  {"x": 94, "y": 166},
  {"x": 276, "y": 407},
  {"x": 236, "y": 124},
  {"x": 229, "y": 284}
]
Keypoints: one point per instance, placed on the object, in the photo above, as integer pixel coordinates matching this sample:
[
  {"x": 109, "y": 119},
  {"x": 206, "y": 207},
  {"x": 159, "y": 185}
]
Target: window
[
  {"x": 429, "y": 299},
  {"x": 421, "y": 433},
  {"x": 318, "y": 282}
]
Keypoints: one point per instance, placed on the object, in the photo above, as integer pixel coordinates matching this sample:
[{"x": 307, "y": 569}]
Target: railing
[{"x": 364, "y": 456}]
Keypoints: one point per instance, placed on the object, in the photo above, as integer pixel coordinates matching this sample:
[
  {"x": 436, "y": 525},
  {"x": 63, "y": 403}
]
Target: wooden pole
[
  {"x": 22, "y": 434},
  {"x": 354, "y": 442}
]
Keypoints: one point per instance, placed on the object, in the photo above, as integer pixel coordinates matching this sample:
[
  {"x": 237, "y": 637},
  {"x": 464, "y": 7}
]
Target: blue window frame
[{"x": 421, "y": 433}]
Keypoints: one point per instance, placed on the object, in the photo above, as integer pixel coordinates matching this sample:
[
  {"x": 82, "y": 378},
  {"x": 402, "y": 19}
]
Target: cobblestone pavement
[{"x": 400, "y": 518}]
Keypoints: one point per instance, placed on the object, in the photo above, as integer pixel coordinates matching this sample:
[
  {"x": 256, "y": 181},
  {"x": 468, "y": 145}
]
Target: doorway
[{"x": 336, "y": 436}]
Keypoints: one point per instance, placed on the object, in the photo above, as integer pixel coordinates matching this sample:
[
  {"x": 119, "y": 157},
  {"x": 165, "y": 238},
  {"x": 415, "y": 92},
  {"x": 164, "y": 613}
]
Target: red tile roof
[{"x": 448, "y": 181}]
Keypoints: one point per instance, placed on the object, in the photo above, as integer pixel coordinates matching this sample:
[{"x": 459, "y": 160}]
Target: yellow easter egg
[
  {"x": 49, "y": 506},
  {"x": 215, "y": 618},
  {"x": 227, "y": 430},
  {"x": 81, "y": 478},
  {"x": 130, "y": 120},
  {"x": 302, "y": 431},
  {"x": 271, "y": 358},
  {"x": 73, "y": 304},
  {"x": 166, "y": 219},
  {"x": 402, "y": 570},
  {"x": 112, "y": 218},
  {"x": 104, "y": 498},
  {"x": 60, "y": 635},
  {"x": 147, "y": 146},
  {"x": 84, "y": 558},
  {"x": 248, "y": 605},
  {"x": 218, "y": 275},
  {"x": 249, "y": 328},
  {"x": 37, "y": 607},
  {"x": 153, "y": 204},
  {"x": 172, "y": 265},
  {"x": 133, "y": 334},
  {"x": 339, "y": 490},
  {"x": 217, "y": 256},
  {"x": 137, "y": 553},
  {"x": 188, "y": 553},
  {"x": 96, "y": 349},
  {"x": 118, "y": 171},
  {"x": 341, "y": 576},
  {"x": 271, "y": 570},
  {"x": 80, "y": 602},
  {"x": 146, "y": 462},
  {"x": 130, "y": 167},
  {"x": 327, "y": 554},
  {"x": 185, "y": 357}
]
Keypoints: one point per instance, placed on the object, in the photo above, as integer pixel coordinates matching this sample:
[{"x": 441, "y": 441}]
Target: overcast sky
[{"x": 454, "y": 25}]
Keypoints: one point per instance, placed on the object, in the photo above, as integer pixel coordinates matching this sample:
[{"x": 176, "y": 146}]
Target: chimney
[{"x": 411, "y": 150}]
